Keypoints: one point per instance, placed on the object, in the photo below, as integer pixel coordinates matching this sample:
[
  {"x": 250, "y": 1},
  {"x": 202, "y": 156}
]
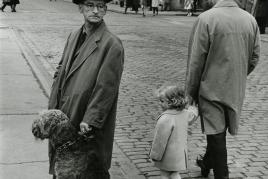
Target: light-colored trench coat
[
  {"x": 88, "y": 92},
  {"x": 169, "y": 147},
  {"x": 224, "y": 48}
]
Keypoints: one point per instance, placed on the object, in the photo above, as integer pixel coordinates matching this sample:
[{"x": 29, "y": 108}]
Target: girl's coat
[{"x": 169, "y": 148}]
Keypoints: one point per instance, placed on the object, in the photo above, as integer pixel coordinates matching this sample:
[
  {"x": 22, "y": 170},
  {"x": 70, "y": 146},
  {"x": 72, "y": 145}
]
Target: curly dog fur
[{"x": 55, "y": 126}]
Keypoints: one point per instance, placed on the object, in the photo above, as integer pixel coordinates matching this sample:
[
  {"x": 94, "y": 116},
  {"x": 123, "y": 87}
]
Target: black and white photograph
[{"x": 134, "y": 89}]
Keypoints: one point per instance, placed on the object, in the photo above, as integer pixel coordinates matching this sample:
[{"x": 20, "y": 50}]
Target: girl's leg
[
  {"x": 156, "y": 10},
  {"x": 175, "y": 175},
  {"x": 165, "y": 174}
]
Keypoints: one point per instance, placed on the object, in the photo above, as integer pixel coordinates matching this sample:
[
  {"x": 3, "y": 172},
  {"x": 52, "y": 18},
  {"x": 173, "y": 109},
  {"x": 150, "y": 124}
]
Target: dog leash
[{"x": 68, "y": 144}]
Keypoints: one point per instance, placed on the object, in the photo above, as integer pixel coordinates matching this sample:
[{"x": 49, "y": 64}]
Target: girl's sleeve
[{"x": 163, "y": 130}]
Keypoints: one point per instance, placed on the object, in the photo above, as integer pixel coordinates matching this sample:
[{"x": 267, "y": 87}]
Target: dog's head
[{"x": 42, "y": 127}]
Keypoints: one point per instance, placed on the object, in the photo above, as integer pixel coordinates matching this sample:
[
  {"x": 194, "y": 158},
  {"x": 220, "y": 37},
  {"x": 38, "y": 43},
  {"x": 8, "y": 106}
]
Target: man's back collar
[{"x": 226, "y": 3}]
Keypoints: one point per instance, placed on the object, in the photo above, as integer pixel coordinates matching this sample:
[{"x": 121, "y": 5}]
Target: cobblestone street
[{"x": 155, "y": 54}]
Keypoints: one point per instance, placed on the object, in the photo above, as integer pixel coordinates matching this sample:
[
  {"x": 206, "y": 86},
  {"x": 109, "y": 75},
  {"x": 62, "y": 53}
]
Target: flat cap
[{"x": 82, "y": 1}]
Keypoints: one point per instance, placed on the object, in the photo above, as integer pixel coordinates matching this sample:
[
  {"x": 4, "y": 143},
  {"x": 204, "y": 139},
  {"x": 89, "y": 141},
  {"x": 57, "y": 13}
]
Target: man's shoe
[{"x": 204, "y": 170}]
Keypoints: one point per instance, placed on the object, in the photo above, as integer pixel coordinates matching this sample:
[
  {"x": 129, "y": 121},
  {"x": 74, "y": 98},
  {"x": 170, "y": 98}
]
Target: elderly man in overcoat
[
  {"x": 224, "y": 48},
  {"x": 86, "y": 84}
]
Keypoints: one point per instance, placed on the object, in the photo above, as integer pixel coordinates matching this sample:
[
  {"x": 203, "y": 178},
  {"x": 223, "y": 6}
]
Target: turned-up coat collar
[{"x": 226, "y": 3}]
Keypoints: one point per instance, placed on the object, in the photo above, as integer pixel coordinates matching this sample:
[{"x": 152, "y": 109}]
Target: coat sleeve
[
  {"x": 197, "y": 54},
  {"x": 256, "y": 51},
  {"x": 58, "y": 68},
  {"x": 105, "y": 92},
  {"x": 163, "y": 130}
]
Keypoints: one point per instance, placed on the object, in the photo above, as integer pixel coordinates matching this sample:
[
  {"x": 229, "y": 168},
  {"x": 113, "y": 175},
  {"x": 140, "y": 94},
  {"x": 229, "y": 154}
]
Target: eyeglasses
[{"x": 91, "y": 6}]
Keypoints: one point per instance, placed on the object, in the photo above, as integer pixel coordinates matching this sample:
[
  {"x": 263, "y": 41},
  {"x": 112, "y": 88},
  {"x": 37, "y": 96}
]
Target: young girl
[{"x": 169, "y": 147}]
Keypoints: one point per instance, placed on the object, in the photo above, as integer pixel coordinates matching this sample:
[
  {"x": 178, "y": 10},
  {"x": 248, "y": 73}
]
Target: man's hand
[{"x": 84, "y": 127}]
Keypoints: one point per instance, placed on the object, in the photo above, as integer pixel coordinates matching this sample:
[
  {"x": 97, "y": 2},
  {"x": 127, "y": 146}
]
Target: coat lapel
[
  {"x": 72, "y": 48},
  {"x": 85, "y": 51}
]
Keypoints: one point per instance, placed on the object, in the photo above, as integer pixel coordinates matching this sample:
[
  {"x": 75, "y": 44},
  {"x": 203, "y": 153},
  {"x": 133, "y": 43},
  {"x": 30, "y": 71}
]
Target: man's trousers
[{"x": 216, "y": 155}]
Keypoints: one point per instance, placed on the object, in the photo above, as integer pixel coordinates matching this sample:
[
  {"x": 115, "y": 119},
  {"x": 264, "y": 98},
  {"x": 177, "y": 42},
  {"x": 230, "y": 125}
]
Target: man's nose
[{"x": 95, "y": 9}]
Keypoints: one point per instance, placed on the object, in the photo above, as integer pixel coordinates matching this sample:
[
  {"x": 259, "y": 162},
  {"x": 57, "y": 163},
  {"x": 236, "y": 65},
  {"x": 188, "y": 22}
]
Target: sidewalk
[
  {"x": 21, "y": 98},
  {"x": 24, "y": 91}
]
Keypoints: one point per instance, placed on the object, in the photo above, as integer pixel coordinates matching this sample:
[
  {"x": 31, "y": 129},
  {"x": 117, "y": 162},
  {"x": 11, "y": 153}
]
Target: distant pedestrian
[
  {"x": 188, "y": 5},
  {"x": 135, "y": 5},
  {"x": 194, "y": 6},
  {"x": 11, "y": 3},
  {"x": 121, "y": 3},
  {"x": 161, "y": 4},
  {"x": 128, "y": 5},
  {"x": 155, "y": 5},
  {"x": 143, "y": 7},
  {"x": 261, "y": 14},
  {"x": 166, "y": 5},
  {"x": 224, "y": 48},
  {"x": 169, "y": 147}
]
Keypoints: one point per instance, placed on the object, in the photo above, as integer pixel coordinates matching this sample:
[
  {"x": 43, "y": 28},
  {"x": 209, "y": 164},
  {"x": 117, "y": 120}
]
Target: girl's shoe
[{"x": 204, "y": 169}]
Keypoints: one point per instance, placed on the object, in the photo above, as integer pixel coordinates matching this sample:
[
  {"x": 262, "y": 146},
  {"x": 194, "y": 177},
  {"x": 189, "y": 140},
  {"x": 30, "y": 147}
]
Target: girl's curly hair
[{"x": 174, "y": 96}]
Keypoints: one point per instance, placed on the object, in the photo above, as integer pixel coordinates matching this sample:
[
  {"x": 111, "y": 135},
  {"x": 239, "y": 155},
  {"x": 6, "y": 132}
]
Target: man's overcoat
[
  {"x": 87, "y": 90},
  {"x": 224, "y": 48}
]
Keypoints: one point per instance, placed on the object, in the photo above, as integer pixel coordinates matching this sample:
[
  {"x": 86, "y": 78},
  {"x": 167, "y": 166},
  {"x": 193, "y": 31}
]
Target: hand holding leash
[{"x": 84, "y": 127}]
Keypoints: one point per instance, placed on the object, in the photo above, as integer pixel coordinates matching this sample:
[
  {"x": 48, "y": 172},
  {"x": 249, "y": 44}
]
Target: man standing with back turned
[
  {"x": 224, "y": 48},
  {"x": 86, "y": 85}
]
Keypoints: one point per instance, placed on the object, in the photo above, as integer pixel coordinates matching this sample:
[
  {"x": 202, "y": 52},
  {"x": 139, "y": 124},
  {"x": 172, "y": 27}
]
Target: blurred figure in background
[
  {"x": 11, "y": 3},
  {"x": 194, "y": 6},
  {"x": 135, "y": 5},
  {"x": 188, "y": 5},
  {"x": 261, "y": 14},
  {"x": 121, "y": 3},
  {"x": 143, "y": 7},
  {"x": 166, "y": 5},
  {"x": 155, "y": 4},
  {"x": 128, "y": 4},
  {"x": 161, "y": 4}
]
